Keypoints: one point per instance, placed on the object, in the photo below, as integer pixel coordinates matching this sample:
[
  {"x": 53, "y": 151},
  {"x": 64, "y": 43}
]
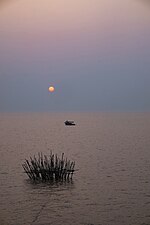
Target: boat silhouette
[{"x": 69, "y": 123}]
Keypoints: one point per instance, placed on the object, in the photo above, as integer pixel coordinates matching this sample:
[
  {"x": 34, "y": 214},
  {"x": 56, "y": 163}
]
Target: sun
[{"x": 51, "y": 89}]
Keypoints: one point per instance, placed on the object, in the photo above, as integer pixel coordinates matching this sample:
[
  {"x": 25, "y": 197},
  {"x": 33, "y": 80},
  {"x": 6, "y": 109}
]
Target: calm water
[{"x": 111, "y": 187}]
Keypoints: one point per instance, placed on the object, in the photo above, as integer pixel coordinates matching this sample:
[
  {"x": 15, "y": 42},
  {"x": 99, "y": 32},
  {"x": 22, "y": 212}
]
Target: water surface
[{"x": 111, "y": 186}]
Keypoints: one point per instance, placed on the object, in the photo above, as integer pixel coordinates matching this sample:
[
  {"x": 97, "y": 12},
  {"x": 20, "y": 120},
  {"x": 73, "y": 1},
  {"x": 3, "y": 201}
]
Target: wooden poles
[{"x": 50, "y": 167}]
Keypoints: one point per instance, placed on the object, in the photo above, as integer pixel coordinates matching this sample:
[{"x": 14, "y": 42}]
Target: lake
[{"x": 111, "y": 185}]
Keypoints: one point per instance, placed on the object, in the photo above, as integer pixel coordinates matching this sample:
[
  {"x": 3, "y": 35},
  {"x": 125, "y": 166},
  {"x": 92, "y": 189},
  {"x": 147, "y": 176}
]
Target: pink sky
[{"x": 82, "y": 41}]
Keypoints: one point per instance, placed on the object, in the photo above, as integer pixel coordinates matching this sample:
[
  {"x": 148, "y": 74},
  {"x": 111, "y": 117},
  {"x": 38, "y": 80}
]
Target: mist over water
[{"x": 111, "y": 186}]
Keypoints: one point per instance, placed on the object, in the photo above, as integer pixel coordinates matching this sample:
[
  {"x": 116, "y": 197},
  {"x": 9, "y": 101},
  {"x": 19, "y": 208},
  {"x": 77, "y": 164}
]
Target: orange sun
[{"x": 51, "y": 89}]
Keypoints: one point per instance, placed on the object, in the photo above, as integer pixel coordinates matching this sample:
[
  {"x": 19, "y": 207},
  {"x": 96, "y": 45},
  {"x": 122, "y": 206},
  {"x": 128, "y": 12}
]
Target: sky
[{"x": 96, "y": 53}]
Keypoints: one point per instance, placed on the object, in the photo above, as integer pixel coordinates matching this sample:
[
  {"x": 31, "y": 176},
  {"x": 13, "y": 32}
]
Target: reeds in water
[{"x": 49, "y": 168}]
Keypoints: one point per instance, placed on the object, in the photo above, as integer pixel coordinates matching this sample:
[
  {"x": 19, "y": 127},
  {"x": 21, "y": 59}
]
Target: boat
[{"x": 69, "y": 123}]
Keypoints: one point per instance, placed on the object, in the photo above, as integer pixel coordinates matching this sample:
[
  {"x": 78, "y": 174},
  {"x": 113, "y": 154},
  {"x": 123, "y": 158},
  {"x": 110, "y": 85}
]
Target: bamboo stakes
[{"x": 49, "y": 168}]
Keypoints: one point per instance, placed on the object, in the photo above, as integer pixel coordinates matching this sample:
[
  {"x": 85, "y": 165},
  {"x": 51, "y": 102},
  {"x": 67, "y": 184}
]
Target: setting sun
[{"x": 51, "y": 89}]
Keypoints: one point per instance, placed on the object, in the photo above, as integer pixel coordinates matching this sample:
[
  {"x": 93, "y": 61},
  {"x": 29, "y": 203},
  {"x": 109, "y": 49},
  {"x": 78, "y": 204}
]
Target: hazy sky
[{"x": 95, "y": 52}]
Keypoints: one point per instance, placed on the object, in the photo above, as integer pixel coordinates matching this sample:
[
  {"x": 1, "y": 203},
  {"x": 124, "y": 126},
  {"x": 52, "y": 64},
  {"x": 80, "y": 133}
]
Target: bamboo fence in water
[{"x": 49, "y": 168}]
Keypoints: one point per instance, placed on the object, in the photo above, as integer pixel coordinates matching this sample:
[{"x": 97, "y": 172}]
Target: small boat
[{"x": 69, "y": 123}]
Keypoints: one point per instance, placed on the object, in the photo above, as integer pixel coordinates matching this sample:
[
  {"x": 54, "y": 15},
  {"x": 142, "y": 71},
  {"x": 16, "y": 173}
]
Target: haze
[{"x": 96, "y": 53}]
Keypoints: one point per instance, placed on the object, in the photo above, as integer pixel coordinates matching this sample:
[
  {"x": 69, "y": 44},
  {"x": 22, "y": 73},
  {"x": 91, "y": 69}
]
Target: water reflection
[
  {"x": 67, "y": 184},
  {"x": 45, "y": 198}
]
